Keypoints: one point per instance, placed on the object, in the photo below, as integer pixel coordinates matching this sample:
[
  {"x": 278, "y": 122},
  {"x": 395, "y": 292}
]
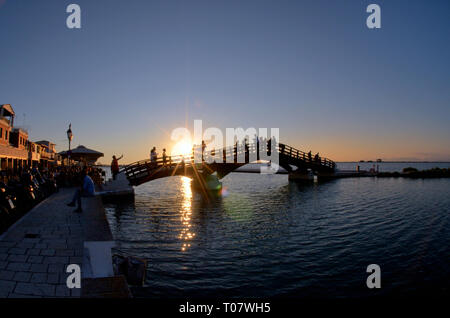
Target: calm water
[{"x": 267, "y": 237}]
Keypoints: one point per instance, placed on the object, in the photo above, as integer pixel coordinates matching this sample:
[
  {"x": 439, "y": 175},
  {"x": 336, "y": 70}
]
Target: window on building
[
  {"x": 6, "y": 134},
  {"x": 1, "y": 132}
]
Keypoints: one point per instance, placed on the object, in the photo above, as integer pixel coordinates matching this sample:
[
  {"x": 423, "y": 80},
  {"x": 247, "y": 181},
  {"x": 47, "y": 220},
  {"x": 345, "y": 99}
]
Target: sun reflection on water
[{"x": 186, "y": 213}]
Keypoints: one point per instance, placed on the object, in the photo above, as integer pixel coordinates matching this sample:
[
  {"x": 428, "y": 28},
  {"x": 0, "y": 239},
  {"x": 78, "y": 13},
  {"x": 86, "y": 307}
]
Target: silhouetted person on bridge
[
  {"x": 309, "y": 156},
  {"x": 153, "y": 155},
  {"x": 164, "y": 156},
  {"x": 317, "y": 158},
  {"x": 203, "y": 149},
  {"x": 115, "y": 166}
]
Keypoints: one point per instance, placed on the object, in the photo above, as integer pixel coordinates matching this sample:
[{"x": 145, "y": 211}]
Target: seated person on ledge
[{"x": 87, "y": 190}]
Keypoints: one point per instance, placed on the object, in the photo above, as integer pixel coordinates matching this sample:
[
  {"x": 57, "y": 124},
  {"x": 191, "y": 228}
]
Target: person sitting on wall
[{"x": 87, "y": 190}]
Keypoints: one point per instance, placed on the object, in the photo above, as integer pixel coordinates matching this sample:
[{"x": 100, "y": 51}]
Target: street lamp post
[{"x": 69, "y": 137}]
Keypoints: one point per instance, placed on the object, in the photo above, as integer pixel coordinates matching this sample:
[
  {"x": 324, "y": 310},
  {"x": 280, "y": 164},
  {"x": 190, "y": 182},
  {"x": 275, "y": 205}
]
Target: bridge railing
[
  {"x": 306, "y": 157},
  {"x": 144, "y": 167}
]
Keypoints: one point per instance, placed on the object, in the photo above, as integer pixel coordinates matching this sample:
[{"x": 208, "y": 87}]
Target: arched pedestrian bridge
[{"x": 296, "y": 162}]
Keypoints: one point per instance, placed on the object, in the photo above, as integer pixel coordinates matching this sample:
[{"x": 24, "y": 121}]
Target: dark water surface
[{"x": 266, "y": 236}]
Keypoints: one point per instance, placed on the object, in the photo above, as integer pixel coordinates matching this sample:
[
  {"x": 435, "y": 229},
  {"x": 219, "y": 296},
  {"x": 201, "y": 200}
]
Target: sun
[{"x": 183, "y": 148}]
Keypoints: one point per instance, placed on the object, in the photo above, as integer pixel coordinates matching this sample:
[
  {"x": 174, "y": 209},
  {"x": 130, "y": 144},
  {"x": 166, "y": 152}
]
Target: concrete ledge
[
  {"x": 96, "y": 227},
  {"x": 98, "y": 260}
]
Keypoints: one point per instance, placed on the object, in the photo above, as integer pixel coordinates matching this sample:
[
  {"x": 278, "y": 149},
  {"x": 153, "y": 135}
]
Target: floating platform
[{"x": 118, "y": 189}]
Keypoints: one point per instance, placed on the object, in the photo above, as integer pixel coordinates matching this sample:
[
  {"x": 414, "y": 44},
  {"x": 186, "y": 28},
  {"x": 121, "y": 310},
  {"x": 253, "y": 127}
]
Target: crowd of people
[{"x": 64, "y": 176}]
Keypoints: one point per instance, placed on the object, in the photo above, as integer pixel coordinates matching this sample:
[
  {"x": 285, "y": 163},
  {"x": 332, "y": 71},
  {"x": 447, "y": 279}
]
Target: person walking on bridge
[{"x": 115, "y": 166}]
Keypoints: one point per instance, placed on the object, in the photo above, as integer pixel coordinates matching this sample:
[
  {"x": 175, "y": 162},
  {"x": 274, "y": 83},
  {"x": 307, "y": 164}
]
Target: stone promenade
[{"x": 35, "y": 252}]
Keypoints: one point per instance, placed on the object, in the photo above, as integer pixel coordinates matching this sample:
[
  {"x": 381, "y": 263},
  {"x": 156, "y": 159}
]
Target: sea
[{"x": 264, "y": 236}]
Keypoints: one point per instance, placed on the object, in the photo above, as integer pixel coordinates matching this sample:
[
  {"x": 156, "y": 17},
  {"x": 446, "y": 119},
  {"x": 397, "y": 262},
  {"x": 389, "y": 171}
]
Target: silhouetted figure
[
  {"x": 203, "y": 148},
  {"x": 115, "y": 166},
  {"x": 317, "y": 158},
  {"x": 153, "y": 155},
  {"x": 164, "y": 156},
  {"x": 87, "y": 189},
  {"x": 309, "y": 156}
]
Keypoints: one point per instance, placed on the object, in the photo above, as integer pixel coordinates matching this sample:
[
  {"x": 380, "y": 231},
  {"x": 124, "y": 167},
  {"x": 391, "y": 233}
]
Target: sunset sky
[{"x": 138, "y": 69}]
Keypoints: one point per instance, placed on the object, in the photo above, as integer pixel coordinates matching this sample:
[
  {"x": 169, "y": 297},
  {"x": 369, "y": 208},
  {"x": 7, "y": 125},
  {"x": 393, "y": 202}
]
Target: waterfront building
[
  {"x": 13, "y": 153},
  {"x": 16, "y": 151},
  {"x": 34, "y": 154},
  {"x": 48, "y": 153}
]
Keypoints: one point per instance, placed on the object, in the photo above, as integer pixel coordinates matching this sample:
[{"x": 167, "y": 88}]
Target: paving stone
[
  {"x": 17, "y": 258},
  {"x": 45, "y": 290},
  {"x": 3, "y": 265},
  {"x": 56, "y": 260},
  {"x": 79, "y": 252},
  {"x": 17, "y": 250},
  {"x": 31, "y": 240},
  {"x": 56, "y": 268},
  {"x": 22, "y": 277},
  {"x": 62, "y": 291},
  {"x": 48, "y": 252},
  {"x": 57, "y": 245},
  {"x": 14, "y": 295},
  {"x": 75, "y": 244},
  {"x": 63, "y": 278},
  {"x": 24, "y": 245},
  {"x": 6, "y": 275},
  {"x": 75, "y": 292},
  {"x": 40, "y": 245},
  {"x": 6, "y": 287},
  {"x": 53, "y": 278},
  {"x": 19, "y": 267},
  {"x": 76, "y": 260},
  {"x": 39, "y": 278},
  {"x": 7, "y": 244},
  {"x": 65, "y": 252},
  {"x": 39, "y": 268},
  {"x": 34, "y": 251},
  {"x": 35, "y": 259}
]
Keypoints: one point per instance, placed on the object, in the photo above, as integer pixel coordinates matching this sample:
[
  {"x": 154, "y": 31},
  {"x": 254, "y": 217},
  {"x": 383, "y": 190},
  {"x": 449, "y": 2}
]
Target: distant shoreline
[
  {"x": 106, "y": 165},
  {"x": 393, "y": 162}
]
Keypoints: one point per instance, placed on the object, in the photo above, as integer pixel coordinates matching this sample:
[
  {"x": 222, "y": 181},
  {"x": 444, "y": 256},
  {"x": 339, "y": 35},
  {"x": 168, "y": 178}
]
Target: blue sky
[{"x": 138, "y": 69}]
